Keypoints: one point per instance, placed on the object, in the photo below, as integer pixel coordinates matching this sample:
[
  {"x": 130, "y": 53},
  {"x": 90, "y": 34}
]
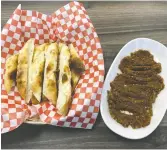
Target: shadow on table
[{"x": 46, "y": 136}]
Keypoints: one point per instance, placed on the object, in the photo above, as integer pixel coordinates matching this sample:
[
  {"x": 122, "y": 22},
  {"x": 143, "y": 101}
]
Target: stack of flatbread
[{"x": 47, "y": 72}]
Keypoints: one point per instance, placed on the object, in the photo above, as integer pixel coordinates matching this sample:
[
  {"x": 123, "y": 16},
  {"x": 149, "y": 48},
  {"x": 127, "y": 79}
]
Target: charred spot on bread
[
  {"x": 51, "y": 83},
  {"x": 77, "y": 65},
  {"x": 66, "y": 69},
  {"x": 64, "y": 78},
  {"x": 39, "y": 81},
  {"x": 49, "y": 67},
  {"x": 36, "y": 85},
  {"x": 20, "y": 82},
  {"x": 12, "y": 75}
]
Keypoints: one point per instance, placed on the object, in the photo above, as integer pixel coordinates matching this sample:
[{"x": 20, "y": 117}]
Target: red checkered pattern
[{"x": 70, "y": 24}]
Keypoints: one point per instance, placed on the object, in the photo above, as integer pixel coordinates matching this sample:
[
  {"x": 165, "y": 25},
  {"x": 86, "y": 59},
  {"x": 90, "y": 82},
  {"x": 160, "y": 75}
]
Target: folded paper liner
[{"x": 70, "y": 24}]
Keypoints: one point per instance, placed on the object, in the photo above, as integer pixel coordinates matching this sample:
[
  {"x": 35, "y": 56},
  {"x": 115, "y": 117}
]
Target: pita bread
[
  {"x": 22, "y": 68},
  {"x": 64, "y": 93},
  {"x": 76, "y": 66},
  {"x": 36, "y": 74},
  {"x": 50, "y": 79},
  {"x": 10, "y": 73}
]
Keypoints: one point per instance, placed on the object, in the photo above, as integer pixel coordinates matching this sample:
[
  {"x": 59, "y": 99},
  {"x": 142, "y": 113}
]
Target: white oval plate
[{"x": 159, "y": 52}]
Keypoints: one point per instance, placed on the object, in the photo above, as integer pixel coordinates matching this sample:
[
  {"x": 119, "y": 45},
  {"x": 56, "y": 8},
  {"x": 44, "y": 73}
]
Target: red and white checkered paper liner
[{"x": 70, "y": 24}]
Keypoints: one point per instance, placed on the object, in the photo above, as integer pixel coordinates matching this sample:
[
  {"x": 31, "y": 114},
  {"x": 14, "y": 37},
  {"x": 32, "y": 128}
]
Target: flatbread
[
  {"x": 22, "y": 68},
  {"x": 37, "y": 71},
  {"x": 64, "y": 93},
  {"x": 50, "y": 76},
  {"x": 29, "y": 93},
  {"x": 10, "y": 73},
  {"x": 76, "y": 66}
]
